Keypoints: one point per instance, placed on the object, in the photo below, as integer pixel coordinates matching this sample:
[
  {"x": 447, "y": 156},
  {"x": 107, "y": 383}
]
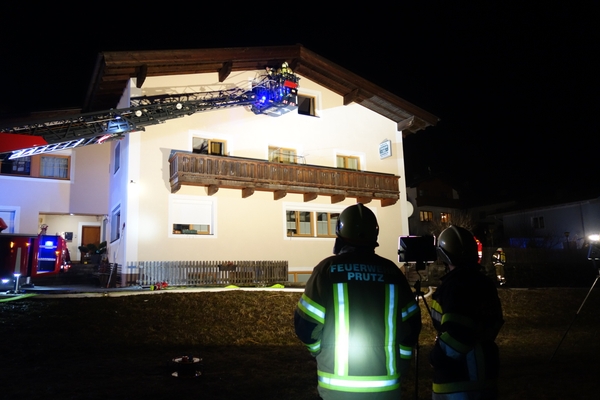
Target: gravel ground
[{"x": 123, "y": 347}]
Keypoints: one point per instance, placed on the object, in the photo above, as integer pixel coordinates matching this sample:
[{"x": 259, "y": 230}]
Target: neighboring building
[
  {"x": 434, "y": 203},
  {"x": 563, "y": 225},
  {"x": 227, "y": 184},
  {"x": 65, "y": 190},
  {"x": 506, "y": 224}
]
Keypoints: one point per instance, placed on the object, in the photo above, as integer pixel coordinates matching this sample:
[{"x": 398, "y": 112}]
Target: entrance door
[{"x": 90, "y": 234}]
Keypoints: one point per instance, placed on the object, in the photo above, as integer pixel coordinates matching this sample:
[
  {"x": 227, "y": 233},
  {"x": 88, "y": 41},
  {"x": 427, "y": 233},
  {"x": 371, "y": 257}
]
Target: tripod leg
[
  {"x": 417, "y": 371},
  {"x": 575, "y": 316}
]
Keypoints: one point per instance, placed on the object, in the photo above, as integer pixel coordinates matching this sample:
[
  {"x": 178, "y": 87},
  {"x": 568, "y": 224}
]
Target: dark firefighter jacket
[
  {"x": 467, "y": 314},
  {"x": 359, "y": 318}
]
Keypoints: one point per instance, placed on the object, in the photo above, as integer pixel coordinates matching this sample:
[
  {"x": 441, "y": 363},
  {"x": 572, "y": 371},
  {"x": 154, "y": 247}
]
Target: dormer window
[{"x": 306, "y": 105}]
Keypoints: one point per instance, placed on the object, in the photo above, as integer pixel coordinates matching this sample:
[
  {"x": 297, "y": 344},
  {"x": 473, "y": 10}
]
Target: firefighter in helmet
[
  {"x": 499, "y": 259},
  {"x": 358, "y": 315},
  {"x": 467, "y": 315}
]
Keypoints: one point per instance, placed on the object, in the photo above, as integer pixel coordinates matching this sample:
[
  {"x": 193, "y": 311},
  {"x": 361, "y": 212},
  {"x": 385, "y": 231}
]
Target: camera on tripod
[{"x": 417, "y": 249}]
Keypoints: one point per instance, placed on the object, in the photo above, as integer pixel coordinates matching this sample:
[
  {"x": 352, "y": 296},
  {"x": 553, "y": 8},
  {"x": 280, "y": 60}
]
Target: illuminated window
[
  {"x": 209, "y": 146},
  {"x": 446, "y": 218},
  {"x": 54, "y": 167},
  {"x": 39, "y": 166},
  {"x": 537, "y": 222},
  {"x": 426, "y": 216},
  {"x": 306, "y": 105},
  {"x": 191, "y": 229},
  {"x": 348, "y": 162},
  {"x": 326, "y": 223},
  {"x": 281, "y": 155},
  {"x": 299, "y": 223}
]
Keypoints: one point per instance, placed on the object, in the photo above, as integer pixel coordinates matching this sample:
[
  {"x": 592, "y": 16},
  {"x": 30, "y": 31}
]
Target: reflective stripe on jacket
[{"x": 467, "y": 314}]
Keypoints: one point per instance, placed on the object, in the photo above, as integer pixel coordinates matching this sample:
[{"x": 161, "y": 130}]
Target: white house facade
[{"x": 161, "y": 201}]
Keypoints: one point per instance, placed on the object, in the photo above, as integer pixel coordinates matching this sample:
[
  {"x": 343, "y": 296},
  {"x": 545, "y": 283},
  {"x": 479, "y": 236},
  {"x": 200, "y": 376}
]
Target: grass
[{"x": 123, "y": 347}]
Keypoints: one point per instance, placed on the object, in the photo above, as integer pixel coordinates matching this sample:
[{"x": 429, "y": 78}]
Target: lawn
[{"x": 123, "y": 347}]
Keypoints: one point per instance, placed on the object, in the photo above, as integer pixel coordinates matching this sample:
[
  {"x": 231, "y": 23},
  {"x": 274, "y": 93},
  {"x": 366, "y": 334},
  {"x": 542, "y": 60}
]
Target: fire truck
[
  {"x": 479, "y": 250},
  {"x": 27, "y": 256},
  {"x": 23, "y": 257}
]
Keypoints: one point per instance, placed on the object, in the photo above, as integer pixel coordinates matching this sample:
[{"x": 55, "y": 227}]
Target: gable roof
[{"x": 114, "y": 69}]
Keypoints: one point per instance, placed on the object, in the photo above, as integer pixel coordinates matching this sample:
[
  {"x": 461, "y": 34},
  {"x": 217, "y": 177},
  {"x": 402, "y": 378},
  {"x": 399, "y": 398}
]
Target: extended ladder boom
[{"x": 274, "y": 94}]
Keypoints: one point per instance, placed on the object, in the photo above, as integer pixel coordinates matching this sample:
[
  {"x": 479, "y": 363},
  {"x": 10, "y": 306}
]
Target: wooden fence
[{"x": 206, "y": 273}]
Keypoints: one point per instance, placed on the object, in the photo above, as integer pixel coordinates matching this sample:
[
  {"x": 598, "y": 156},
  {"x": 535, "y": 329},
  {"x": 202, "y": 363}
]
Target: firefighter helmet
[
  {"x": 457, "y": 246},
  {"x": 358, "y": 225}
]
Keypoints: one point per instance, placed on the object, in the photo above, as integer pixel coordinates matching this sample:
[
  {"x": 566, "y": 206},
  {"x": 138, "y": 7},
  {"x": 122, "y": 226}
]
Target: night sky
[{"x": 514, "y": 84}]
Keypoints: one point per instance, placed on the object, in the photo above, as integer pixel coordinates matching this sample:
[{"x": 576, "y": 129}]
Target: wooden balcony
[{"x": 250, "y": 175}]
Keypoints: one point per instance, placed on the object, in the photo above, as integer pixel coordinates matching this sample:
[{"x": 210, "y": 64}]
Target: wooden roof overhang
[{"x": 114, "y": 69}]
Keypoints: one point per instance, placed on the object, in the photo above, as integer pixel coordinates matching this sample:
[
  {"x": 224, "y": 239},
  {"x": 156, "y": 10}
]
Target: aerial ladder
[{"x": 273, "y": 93}]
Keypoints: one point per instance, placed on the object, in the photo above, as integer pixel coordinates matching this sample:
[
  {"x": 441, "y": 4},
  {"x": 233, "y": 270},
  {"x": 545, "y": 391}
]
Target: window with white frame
[
  {"x": 191, "y": 216},
  {"x": 117, "y": 157},
  {"x": 9, "y": 218},
  {"x": 310, "y": 223},
  {"x": 115, "y": 224}
]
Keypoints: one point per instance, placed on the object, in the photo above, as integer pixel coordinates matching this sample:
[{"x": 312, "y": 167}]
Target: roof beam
[
  {"x": 225, "y": 71},
  {"x": 141, "y": 75}
]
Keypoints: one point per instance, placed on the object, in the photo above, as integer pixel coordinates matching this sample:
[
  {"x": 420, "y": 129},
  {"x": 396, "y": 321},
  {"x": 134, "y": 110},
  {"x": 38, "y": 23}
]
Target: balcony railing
[{"x": 249, "y": 175}]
